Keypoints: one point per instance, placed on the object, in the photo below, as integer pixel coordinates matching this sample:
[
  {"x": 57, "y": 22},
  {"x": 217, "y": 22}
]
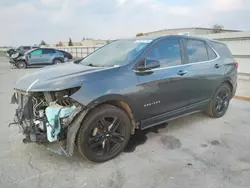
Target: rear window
[
  {"x": 211, "y": 53},
  {"x": 48, "y": 51},
  {"x": 196, "y": 51},
  {"x": 222, "y": 49}
]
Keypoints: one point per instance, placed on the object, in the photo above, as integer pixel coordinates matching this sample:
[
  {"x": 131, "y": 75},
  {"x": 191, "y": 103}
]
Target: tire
[
  {"x": 100, "y": 145},
  {"x": 66, "y": 59},
  {"x": 219, "y": 103},
  {"x": 21, "y": 65},
  {"x": 57, "y": 61}
]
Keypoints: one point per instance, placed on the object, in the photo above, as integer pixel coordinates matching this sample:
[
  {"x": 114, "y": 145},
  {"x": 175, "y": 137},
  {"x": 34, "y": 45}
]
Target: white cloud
[
  {"x": 228, "y": 5},
  {"x": 54, "y": 20}
]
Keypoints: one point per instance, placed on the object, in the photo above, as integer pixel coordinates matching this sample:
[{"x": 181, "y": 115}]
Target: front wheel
[
  {"x": 104, "y": 133},
  {"x": 21, "y": 65},
  {"x": 220, "y": 101}
]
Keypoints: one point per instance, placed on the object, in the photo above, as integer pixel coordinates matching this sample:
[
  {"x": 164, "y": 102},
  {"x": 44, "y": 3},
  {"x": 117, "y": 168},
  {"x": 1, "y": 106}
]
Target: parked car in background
[
  {"x": 67, "y": 55},
  {"x": 128, "y": 84},
  {"x": 37, "y": 58},
  {"x": 20, "y": 49}
]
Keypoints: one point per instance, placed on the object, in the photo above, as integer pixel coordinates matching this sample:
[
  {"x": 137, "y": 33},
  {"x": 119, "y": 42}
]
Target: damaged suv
[{"x": 128, "y": 84}]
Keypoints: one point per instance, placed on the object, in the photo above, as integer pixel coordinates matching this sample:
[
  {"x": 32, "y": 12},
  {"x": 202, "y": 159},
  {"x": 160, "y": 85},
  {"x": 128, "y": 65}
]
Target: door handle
[
  {"x": 182, "y": 72},
  {"x": 216, "y": 66}
]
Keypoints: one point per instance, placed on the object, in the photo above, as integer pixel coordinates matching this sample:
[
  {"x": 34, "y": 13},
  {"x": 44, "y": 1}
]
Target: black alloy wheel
[
  {"x": 219, "y": 104},
  {"x": 104, "y": 134},
  {"x": 222, "y": 101},
  {"x": 57, "y": 61}
]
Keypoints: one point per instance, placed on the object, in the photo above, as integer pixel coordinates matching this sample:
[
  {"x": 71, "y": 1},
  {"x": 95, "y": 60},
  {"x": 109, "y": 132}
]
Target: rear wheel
[
  {"x": 21, "y": 65},
  {"x": 66, "y": 59},
  {"x": 57, "y": 61},
  {"x": 220, "y": 101},
  {"x": 104, "y": 133}
]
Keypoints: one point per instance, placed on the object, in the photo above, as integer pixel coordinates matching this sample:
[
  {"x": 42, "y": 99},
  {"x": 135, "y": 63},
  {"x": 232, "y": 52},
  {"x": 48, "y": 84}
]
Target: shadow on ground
[{"x": 140, "y": 137}]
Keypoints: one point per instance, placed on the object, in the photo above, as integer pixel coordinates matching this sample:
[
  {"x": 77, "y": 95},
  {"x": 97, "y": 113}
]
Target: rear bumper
[{"x": 234, "y": 89}]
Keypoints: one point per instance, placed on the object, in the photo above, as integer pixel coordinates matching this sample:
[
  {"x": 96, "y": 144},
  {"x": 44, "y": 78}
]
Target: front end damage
[{"x": 49, "y": 117}]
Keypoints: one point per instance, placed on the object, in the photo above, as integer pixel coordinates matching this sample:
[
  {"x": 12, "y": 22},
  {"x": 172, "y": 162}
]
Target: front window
[
  {"x": 36, "y": 52},
  {"x": 116, "y": 53},
  {"x": 167, "y": 52}
]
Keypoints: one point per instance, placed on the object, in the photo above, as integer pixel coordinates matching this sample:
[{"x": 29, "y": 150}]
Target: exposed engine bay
[{"x": 45, "y": 116}]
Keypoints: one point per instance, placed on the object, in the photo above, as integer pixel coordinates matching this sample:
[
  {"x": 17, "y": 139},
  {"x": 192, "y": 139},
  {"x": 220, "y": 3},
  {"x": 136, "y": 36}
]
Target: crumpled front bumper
[
  {"x": 23, "y": 119},
  {"x": 12, "y": 61}
]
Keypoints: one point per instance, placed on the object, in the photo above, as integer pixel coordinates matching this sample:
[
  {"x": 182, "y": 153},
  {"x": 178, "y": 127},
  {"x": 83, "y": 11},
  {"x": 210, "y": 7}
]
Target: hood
[{"x": 56, "y": 77}]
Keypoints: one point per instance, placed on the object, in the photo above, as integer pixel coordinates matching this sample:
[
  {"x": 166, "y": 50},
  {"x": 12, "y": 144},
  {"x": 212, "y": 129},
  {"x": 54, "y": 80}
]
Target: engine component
[{"x": 54, "y": 113}]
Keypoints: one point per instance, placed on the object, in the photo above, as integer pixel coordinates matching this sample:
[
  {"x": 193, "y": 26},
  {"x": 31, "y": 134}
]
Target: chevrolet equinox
[{"x": 137, "y": 83}]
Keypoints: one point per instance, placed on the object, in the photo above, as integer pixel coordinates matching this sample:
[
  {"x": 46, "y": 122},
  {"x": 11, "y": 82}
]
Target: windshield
[{"x": 116, "y": 53}]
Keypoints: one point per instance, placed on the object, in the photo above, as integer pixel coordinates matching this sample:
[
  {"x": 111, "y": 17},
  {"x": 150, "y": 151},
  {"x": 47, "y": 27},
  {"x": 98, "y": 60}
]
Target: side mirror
[{"x": 149, "y": 64}]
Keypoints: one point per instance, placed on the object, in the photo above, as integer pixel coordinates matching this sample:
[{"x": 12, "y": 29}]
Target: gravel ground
[{"x": 192, "y": 152}]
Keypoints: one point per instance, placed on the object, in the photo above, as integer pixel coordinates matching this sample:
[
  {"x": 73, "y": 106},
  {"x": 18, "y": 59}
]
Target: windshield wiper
[{"x": 93, "y": 65}]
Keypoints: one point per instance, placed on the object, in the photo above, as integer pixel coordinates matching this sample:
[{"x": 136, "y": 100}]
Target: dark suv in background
[{"x": 126, "y": 85}]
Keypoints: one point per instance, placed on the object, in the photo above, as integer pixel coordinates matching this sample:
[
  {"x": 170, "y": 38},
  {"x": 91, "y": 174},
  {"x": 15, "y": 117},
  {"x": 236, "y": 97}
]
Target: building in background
[
  {"x": 237, "y": 41},
  {"x": 87, "y": 43},
  {"x": 186, "y": 31}
]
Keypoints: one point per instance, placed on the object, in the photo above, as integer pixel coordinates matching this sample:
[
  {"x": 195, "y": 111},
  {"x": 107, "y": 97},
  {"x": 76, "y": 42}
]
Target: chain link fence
[{"x": 79, "y": 51}]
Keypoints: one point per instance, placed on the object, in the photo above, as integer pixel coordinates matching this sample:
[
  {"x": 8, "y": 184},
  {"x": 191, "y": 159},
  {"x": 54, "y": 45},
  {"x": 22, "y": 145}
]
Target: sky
[{"x": 27, "y": 22}]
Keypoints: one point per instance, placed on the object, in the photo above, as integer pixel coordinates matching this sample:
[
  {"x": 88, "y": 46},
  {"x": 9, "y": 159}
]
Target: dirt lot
[{"x": 192, "y": 152}]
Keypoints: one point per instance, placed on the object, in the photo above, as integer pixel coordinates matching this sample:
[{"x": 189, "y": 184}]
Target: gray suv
[{"x": 37, "y": 57}]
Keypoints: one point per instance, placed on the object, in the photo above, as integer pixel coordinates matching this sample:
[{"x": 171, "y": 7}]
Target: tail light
[{"x": 236, "y": 64}]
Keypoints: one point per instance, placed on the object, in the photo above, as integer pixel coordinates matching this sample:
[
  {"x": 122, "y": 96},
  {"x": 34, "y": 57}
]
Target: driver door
[
  {"x": 162, "y": 89},
  {"x": 35, "y": 57}
]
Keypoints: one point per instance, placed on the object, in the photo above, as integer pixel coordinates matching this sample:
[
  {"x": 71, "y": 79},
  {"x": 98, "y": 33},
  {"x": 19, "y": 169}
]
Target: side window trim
[{"x": 209, "y": 46}]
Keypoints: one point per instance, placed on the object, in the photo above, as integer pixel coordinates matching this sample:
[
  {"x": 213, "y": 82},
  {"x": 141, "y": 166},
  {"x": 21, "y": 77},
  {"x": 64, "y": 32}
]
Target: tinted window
[
  {"x": 222, "y": 49},
  {"x": 196, "y": 50},
  {"x": 211, "y": 53},
  {"x": 48, "y": 51},
  {"x": 36, "y": 52},
  {"x": 26, "y": 47},
  {"x": 168, "y": 52}
]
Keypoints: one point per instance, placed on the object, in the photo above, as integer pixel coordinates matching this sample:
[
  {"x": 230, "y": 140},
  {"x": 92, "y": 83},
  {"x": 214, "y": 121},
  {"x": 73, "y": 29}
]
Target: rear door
[
  {"x": 35, "y": 57},
  {"x": 203, "y": 71},
  {"x": 48, "y": 55}
]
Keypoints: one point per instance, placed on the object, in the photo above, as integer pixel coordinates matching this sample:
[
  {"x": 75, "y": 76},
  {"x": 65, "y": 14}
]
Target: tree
[
  {"x": 70, "y": 42},
  {"x": 42, "y": 43},
  {"x": 139, "y": 34},
  {"x": 217, "y": 28}
]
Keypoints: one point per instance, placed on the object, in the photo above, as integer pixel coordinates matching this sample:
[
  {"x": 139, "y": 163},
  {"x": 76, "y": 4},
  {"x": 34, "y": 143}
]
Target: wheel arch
[
  {"x": 225, "y": 81},
  {"x": 57, "y": 58},
  {"x": 229, "y": 83},
  {"x": 115, "y": 100},
  {"x": 119, "y": 101}
]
